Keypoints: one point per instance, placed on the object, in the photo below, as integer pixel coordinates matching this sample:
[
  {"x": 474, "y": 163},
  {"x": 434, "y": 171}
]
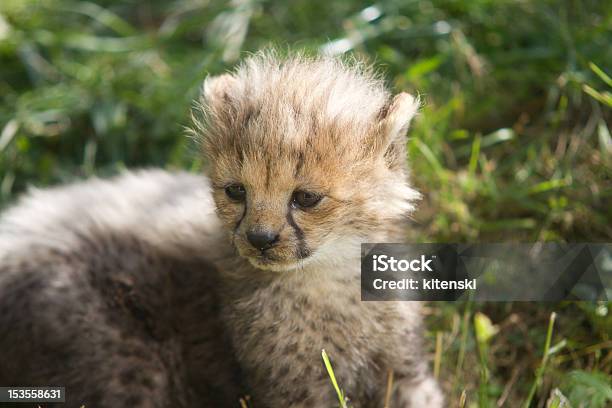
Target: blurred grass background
[{"x": 513, "y": 143}]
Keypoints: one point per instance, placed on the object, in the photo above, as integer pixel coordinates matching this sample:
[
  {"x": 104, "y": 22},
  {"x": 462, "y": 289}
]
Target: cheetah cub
[
  {"x": 307, "y": 161},
  {"x": 159, "y": 289}
]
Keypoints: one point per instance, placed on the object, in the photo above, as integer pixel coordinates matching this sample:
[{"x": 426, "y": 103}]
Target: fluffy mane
[{"x": 274, "y": 98}]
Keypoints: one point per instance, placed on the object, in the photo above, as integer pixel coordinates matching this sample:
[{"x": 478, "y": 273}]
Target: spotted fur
[{"x": 277, "y": 126}]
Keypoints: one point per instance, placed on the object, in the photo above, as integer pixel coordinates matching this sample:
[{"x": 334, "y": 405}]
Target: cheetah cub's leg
[{"x": 423, "y": 393}]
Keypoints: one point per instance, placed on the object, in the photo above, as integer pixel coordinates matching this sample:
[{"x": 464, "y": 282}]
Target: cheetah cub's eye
[
  {"x": 236, "y": 192},
  {"x": 305, "y": 199}
]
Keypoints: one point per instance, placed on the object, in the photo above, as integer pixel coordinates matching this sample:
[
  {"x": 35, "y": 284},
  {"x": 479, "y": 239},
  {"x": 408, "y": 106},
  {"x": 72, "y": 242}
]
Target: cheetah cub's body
[{"x": 307, "y": 161}]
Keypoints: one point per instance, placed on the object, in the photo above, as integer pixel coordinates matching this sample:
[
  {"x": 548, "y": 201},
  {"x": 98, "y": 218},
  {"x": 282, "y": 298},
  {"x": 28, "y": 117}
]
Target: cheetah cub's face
[{"x": 307, "y": 158}]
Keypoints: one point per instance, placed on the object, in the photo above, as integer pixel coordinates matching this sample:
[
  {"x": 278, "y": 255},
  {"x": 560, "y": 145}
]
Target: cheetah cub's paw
[{"x": 423, "y": 394}]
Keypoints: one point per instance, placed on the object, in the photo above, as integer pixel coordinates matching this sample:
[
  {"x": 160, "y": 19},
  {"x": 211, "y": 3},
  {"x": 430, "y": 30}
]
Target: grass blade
[
  {"x": 389, "y": 390},
  {"x": 332, "y": 376},
  {"x": 543, "y": 364}
]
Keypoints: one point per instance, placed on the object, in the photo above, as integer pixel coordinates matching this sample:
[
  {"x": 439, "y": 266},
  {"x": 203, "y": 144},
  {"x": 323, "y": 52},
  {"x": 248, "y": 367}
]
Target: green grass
[
  {"x": 513, "y": 142},
  {"x": 332, "y": 376}
]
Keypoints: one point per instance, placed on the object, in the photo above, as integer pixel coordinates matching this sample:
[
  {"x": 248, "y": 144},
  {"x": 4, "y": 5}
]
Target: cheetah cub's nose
[{"x": 262, "y": 239}]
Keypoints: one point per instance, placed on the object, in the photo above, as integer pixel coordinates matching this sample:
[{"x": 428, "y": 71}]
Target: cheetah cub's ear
[
  {"x": 398, "y": 115},
  {"x": 218, "y": 91},
  {"x": 394, "y": 122},
  {"x": 218, "y": 103}
]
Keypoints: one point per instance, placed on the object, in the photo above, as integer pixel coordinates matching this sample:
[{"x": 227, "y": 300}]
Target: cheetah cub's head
[{"x": 307, "y": 158}]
